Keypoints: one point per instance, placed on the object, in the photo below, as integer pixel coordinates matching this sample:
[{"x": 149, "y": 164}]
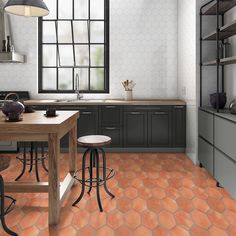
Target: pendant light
[{"x": 26, "y": 8}]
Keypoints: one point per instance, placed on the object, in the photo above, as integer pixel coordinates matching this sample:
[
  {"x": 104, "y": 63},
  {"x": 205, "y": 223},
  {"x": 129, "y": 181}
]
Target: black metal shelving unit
[{"x": 217, "y": 8}]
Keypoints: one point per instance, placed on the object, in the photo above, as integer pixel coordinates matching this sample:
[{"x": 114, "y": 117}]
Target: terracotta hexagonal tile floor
[{"x": 156, "y": 195}]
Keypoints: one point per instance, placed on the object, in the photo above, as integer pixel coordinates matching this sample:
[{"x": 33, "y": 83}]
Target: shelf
[
  {"x": 224, "y": 61},
  {"x": 209, "y": 63},
  {"x": 224, "y": 6},
  {"x": 226, "y": 31}
]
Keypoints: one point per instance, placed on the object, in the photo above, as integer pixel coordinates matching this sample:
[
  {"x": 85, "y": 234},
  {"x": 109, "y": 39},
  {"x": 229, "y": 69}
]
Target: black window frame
[{"x": 106, "y": 55}]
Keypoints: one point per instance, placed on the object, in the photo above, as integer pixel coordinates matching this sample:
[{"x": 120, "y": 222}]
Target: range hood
[{"x": 5, "y": 30}]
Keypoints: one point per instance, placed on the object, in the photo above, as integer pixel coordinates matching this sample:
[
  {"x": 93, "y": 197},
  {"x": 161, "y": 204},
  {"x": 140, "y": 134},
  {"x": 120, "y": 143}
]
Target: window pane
[
  {"x": 83, "y": 78},
  {"x": 49, "y": 79},
  {"x": 81, "y": 9},
  {"x": 52, "y": 6},
  {"x": 64, "y": 32},
  {"x": 49, "y": 55},
  {"x": 97, "y": 9},
  {"x": 97, "y": 78},
  {"x": 97, "y": 55},
  {"x": 82, "y": 55},
  {"x": 66, "y": 55},
  {"x": 80, "y": 31},
  {"x": 65, "y": 77},
  {"x": 49, "y": 32},
  {"x": 65, "y": 9},
  {"x": 97, "y": 31}
]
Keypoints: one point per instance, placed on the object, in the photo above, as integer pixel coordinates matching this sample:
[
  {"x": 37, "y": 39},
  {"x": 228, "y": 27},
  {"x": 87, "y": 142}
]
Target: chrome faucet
[{"x": 79, "y": 96}]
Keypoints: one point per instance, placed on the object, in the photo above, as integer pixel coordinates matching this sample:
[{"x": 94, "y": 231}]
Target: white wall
[
  {"x": 187, "y": 68},
  {"x": 143, "y": 47}
]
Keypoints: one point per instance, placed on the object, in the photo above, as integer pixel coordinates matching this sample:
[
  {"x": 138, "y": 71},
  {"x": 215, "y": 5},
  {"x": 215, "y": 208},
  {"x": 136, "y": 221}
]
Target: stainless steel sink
[{"x": 81, "y": 100}]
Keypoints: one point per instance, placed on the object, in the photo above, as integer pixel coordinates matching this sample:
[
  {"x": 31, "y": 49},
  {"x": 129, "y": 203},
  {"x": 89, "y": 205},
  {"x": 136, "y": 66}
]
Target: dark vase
[
  {"x": 232, "y": 107},
  {"x": 12, "y": 106},
  {"x": 222, "y": 100}
]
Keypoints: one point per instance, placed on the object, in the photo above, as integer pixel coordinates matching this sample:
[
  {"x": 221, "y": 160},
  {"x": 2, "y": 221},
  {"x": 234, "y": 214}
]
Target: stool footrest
[{"x": 87, "y": 182}]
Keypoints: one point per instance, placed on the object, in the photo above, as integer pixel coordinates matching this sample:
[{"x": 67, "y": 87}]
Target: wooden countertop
[{"x": 159, "y": 102}]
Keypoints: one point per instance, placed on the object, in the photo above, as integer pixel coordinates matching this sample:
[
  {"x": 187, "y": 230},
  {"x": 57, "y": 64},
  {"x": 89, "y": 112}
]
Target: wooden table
[{"x": 36, "y": 127}]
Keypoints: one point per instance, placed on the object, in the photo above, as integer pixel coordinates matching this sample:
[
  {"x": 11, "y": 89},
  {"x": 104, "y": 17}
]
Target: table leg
[
  {"x": 72, "y": 149},
  {"x": 53, "y": 179}
]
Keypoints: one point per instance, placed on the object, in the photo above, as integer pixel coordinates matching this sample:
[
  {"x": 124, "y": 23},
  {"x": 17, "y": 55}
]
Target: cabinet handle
[
  {"x": 86, "y": 113},
  {"x": 160, "y": 113},
  {"x": 110, "y": 128},
  {"x": 179, "y": 107},
  {"x": 110, "y": 107},
  {"x": 135, "y": 113}
]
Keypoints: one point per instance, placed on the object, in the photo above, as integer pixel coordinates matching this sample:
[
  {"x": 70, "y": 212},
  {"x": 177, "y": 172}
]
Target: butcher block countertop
[{"x": 159, "y": 102}]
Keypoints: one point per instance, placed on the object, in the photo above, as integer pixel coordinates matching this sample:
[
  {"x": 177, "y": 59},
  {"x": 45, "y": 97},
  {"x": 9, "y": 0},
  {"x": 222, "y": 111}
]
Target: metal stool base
[{"x": 94, "y": 181}]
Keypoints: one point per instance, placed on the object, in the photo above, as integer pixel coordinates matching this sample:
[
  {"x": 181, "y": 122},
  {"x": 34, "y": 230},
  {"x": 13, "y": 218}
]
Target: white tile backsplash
[{"x": 143, "y": 47}]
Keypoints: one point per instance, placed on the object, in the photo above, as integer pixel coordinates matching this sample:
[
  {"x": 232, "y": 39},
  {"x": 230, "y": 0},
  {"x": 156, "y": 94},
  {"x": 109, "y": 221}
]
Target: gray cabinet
[
  {"x": 225, "y": 172},
  {"x": 135, "y": 129},
  {"x": 205, "y": 125},
  {"x": 206, "y": 155},
  {"x": 159, "y": 128}
]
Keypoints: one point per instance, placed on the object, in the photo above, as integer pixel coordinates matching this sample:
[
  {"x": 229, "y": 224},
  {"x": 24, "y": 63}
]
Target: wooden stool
[{"x": 93, "y": 144}]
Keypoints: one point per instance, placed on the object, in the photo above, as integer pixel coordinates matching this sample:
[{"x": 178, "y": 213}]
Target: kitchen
[{"x": 127, "y": 85}]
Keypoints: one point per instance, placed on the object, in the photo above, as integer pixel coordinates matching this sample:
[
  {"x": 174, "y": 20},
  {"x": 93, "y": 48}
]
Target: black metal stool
[
  {"x": 33, "y": 160},
  {"x": 4, "y": 211},
  {"x": 94, "y": 143}
]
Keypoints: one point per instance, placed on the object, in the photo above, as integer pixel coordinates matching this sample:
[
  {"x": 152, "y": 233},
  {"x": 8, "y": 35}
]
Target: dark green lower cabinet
[
  {"x": 131, "y": 126},
  {"x": 159, "y": 129},
  {"x": 135, "y": 129}
]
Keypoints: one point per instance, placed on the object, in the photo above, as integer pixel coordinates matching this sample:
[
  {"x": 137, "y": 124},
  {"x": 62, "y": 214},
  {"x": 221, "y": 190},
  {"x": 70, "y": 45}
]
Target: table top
[{"x": 37, "y": 122}]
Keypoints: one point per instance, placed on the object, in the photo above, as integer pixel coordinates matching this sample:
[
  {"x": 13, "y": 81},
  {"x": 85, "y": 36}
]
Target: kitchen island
[{"x": 36, "y": 127}]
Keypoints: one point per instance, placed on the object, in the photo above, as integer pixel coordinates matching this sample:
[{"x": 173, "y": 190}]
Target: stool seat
[{"x": 94, "y": 140}]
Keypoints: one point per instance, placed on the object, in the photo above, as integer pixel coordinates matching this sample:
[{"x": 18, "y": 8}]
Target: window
[{"x": 74, "y": 40}]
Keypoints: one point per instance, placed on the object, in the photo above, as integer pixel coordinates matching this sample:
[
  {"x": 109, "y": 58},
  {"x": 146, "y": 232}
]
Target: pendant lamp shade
[{"x": 26, "y": 8}]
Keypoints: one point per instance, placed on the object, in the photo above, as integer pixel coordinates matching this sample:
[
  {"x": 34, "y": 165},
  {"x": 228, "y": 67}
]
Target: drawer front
[
  {"x": 110, "y": 115},
  {"x": 206, "y": 155},
  {"x": 225, "y": 172},
  {"x": 115, "y": 133},
  {"x": 205, "y": 121},
  {"x": 225, "y": 136}
]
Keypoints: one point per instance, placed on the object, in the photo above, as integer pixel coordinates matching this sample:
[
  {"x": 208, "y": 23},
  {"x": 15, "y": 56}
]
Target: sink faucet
[{"x": 79, "y": 96}]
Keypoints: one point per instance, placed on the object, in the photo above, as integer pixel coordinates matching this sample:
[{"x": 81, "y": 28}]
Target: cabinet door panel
[
  {"x": 225, "y": 131},
  {"x": 87, "y": 124},
  {"x": 135, "y": 129},
  {"x": 206, "y": 155},
  {"x": 159, "y": 129},
  {"x": 205, "y": 121},
  {"x": 225, "y": 172},
  {"x": 179, "y": 126}
]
